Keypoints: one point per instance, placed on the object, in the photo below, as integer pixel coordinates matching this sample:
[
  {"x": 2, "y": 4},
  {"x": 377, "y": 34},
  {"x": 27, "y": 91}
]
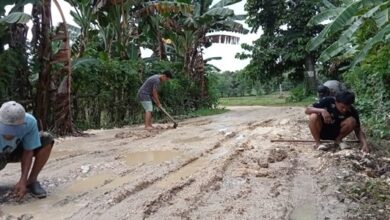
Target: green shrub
[
  {"x": 371, "y": 82},
  {"x": 297, "y": 94}
]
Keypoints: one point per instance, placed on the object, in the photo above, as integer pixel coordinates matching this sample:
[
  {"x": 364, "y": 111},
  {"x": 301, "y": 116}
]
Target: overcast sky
[{"x": 227, "y": 52}]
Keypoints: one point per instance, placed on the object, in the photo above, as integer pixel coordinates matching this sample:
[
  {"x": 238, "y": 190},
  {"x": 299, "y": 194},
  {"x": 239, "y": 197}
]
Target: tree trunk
[
  {"x": 44, "y": 54},
  {"x": 63, "y": 124},
  {"x": 310, "y": 73},
  {"x": 21, "y": 84},
  {"x": 200, "y": 73}
]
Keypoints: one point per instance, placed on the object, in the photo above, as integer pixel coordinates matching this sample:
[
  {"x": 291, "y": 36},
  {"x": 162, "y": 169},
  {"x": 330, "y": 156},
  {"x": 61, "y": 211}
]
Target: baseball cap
[{"x": 12, "y": 116}]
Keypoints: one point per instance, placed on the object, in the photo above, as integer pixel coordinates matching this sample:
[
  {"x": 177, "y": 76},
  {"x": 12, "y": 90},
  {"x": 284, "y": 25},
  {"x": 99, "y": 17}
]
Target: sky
[{"x": 225, "y": 51}]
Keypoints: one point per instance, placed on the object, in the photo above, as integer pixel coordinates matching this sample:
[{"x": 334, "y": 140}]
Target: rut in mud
[{"x": 217, "y": 167}]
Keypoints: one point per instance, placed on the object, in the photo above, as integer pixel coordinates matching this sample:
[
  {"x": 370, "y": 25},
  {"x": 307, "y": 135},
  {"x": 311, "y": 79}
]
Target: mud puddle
[
  {"x": 182, "y": 173},
  {"x": 194, "y": 174},
  {"x": 153, "y": 157}
]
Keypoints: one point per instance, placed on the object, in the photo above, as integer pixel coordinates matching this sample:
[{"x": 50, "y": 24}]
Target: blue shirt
[{"x": 29, "y": 137}]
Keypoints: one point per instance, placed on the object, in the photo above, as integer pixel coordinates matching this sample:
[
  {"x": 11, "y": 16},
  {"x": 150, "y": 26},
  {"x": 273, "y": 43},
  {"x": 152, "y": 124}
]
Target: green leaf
[
  {"x": 328, "y": 4},
  {"x": 221, "y": 12},
  {"x": 16, "y": 17},
  {"x": 342, "y": 42},
  {"x": 382, "y": 18},
  {"x": 80, "y": 62},
  {"x": 232, "y": 26},
  {"x": 224, "y": 3},
  {"x": 339, "y": 23},
  {"x": 240, "y": 17},
  {"x": 325, "y": 15},
  {"x": 212, "y": 58},
  {"x": 379, "y": 37}
]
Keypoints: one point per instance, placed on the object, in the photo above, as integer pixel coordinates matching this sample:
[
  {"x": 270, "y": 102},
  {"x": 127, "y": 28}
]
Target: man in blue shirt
[{"x": 20, "y": 141}]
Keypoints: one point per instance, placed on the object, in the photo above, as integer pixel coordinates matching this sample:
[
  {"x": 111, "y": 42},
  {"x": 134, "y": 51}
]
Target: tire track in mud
[
  {"x": 164, "y": 198},
  {"x": 125, "y": 193},
  {"x": 143, "y": 185},
  {"x": 199, "y": 196}
]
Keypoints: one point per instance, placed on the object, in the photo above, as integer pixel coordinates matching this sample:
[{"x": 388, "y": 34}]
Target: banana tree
[
  {"x": 15, "y": 35},
  {"x": 194, "y": 30},
  {"x": 84, "y": 17},
  {"x": 41, "y": 45},
  {"x": 348, "y": 19},
  {"x": 153, "y": 17},
  {"x": 189, "y": 23},
  {"x": 205, "y": 20}
]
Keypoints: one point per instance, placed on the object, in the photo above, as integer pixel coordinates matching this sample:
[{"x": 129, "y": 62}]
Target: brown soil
[{"x": 216, "y": 167}]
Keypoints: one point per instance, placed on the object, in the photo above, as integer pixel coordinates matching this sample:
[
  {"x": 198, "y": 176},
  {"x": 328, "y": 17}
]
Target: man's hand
[
  {"x": 327, "y": 118},
  {"x": 20, "y": 190}
]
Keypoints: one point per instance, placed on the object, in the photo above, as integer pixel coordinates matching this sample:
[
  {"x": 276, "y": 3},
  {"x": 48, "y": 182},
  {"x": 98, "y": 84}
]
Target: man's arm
[
  {"x": 21, "y": 187},
  {"x": 155, "y": 98},
  {"x": 323, "y": 112},
  {"x": 362, "y": 138}
]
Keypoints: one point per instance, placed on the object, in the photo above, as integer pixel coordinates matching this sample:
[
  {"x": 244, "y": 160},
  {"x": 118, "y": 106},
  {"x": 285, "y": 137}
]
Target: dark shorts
[
  {"x": 16, "y": 155},
  {"x": 329, "y": 132}
]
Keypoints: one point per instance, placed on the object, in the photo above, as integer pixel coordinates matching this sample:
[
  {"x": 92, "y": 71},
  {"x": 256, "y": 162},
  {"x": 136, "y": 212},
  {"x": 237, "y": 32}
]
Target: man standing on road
[
  {"x": 148, "y": 92},
  {"x": 333, "y": 118},
  {"x": 20, "y": 141}
]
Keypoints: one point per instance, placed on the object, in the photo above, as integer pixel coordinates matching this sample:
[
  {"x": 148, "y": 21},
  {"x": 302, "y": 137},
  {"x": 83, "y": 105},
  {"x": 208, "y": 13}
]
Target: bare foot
[{"x": 149, "y": 128}]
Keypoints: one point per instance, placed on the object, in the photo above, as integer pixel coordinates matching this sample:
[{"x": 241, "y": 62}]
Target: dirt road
[{"x": 217, "y": 167}]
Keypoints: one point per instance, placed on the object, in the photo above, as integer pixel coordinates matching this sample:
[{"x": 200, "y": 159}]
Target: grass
[{"x": 266, "y": 100}]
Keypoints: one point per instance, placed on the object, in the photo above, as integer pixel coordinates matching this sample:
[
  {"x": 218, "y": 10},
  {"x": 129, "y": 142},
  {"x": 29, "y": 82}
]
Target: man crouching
[
  {"x": 333, "y": 118},
  {"x": 20, "y": 141}
]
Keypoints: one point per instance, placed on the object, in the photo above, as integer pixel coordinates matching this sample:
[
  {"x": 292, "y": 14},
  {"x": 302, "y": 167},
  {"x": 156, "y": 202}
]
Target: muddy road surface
[{"x": 216, "y": 167}]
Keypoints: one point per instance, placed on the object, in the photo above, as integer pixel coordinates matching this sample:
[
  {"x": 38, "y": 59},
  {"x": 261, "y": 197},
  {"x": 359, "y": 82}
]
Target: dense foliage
[
  {"x": 88, "y": 76},
  {"x": 241, "y": 83},
  {"x": 359, "y": 51},
  {"x": 371, "y": 82},
  {"x": 280, "y": 52}
]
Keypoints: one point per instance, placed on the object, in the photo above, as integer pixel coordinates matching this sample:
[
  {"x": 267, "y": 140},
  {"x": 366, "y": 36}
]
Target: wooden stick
[
  {"x": 170, "y": 117},
  {"x": 311, "y": 141}
]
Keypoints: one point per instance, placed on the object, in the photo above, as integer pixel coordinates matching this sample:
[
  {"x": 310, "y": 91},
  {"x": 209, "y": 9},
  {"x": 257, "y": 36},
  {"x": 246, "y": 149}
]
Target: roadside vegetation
[
  {"x": 87, "y": 77},
  {"x": 265, "y": 100}
]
